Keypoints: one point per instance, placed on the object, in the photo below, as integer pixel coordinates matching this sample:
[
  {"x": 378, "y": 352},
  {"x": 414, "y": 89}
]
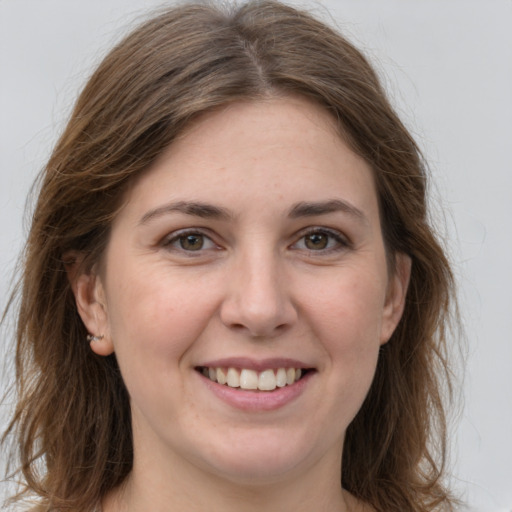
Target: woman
[{"x": 232, "y": 299}]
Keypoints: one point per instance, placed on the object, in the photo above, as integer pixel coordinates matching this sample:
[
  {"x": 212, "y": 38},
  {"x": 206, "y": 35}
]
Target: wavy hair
[{"x": 72, "y": 420}]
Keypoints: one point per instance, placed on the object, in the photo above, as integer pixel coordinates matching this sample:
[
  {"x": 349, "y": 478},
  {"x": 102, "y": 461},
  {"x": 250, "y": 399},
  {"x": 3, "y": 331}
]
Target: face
[{"x": 245, "y": 293}]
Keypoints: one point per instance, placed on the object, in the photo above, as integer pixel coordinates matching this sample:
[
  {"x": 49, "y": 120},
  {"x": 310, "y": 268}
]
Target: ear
[
  {"x": 91, "y": 303},
  {"x": 395, "y": 296}
]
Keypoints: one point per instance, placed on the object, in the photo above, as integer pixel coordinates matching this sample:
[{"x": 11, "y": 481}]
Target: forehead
[
  {"x": 259, "y": 127},
  {"x": 285, "y": 149}
]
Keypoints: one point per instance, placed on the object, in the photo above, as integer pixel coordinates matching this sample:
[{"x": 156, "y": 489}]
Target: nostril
[{"x": 259, "y": 329}]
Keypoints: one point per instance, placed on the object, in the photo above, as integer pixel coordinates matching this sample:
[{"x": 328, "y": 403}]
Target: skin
[{"x": 313, "y": 286}]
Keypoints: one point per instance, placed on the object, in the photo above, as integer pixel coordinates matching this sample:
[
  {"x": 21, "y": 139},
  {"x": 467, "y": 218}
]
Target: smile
[{"x": 247, "y": 379}]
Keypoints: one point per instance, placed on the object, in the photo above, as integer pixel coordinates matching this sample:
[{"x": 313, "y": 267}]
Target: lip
[
  {"x": 252, "y": 400},
  {"x": 257, "y": 365}
]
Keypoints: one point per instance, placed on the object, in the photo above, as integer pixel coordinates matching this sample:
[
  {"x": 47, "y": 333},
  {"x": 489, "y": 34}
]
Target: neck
[{"x": 193, "y": 490}]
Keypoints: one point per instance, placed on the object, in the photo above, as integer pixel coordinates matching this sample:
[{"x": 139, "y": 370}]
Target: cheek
[
  {"x": 350, "y": 310},
  {"x": 156, "y": 317},
  {"x": 347, "y": 320}
]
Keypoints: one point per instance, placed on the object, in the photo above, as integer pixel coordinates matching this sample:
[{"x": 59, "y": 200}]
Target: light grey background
[{"x": 449, "y": 71}]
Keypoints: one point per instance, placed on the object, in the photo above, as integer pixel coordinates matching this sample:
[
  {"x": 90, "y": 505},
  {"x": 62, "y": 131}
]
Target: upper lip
[{"x": 256, "y": 364}]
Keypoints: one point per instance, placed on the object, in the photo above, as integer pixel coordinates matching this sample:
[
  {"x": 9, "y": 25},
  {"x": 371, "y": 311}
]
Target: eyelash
[
  {"x": 180, "y": 236},
  {"x": 340, "y": 242}
]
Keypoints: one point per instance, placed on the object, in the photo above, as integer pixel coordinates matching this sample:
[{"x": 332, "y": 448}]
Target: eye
[
  {"x": 189, "y": 241},
  {"x": 321, "y": 240},
  {"x": 316, "y": 241}
]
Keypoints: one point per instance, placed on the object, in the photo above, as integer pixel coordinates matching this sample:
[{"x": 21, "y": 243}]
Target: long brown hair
[{"x": 72, "y": 419}]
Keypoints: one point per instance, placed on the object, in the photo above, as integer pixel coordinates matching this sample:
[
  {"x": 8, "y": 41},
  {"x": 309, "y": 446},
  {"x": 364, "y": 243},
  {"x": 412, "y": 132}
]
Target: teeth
[
  {"x": 281, "y": 378},
  {"x": 221, "y": 376},
  {"x": 267, "y": 380},
  {"x": 248, "y": 379},
  {"x": 233, "y": 378}
]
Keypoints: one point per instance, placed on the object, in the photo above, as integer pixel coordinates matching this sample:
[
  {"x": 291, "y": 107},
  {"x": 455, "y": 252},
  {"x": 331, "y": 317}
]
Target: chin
[
  {"x": 261, "y": 458},
  {"x": 255, "y": 473}
]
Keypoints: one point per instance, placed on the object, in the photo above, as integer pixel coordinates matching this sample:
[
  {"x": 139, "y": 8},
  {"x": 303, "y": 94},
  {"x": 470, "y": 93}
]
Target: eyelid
[
  {"x": 342, "y": 240},
  {"x": 169, "y": 239}
]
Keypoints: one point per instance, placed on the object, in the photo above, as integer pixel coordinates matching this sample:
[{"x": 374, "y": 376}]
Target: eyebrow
[
  {"x": 209, "y": 211},
  {"x": 312, "y": 209},
  {"x": 197, "y": 209}
]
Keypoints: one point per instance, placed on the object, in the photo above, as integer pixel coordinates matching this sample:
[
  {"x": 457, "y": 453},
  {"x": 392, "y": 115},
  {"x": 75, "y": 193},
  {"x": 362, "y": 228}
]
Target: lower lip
[{"x": 258, "y": 400}]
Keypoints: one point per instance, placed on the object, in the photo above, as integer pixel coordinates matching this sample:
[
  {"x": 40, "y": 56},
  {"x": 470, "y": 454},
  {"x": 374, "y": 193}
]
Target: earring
[{"x": 92, "y": 337}]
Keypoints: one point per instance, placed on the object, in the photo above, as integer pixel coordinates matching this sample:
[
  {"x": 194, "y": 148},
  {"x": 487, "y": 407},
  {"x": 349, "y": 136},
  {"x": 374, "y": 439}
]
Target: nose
[{"x": 258, "y": 301}]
